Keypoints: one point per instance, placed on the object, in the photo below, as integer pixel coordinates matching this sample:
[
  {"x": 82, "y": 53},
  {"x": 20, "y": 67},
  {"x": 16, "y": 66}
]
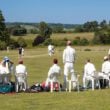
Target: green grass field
[{"x": 38, "y": 63}]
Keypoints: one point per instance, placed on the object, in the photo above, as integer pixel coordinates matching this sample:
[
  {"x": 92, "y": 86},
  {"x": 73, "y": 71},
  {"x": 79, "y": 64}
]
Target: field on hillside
[
  {"x": 38, "y": 63},
  {"x": 61, "y": 36},
  {"x": 29, "y": 38},
  {"x": 72, "y": 36}
]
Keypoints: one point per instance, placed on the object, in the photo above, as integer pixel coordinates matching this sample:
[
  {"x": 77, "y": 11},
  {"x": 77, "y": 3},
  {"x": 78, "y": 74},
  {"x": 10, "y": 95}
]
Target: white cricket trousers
[{"x": 69, "y": 69}]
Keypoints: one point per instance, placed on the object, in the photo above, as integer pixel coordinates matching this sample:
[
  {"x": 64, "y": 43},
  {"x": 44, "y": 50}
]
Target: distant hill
[{"x": 33, "y": 25}]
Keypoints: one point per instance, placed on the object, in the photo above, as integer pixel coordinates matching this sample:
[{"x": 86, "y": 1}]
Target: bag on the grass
[
  {"x": 47, "y": 88},
  {"x": 6, "y": 88},
  {"x": 36, "y": 88}
]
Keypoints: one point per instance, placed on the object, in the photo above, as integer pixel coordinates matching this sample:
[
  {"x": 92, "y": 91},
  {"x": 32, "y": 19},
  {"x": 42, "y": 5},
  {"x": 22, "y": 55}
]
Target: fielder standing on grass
[
  {"x": 21, "y": 52},
  {"x": 69, "y": 60},
  {"x": 50, "y": 50}
]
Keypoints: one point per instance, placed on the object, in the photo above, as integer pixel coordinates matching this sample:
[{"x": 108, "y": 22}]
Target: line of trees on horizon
[
  {"x": 45, "y": 30},
  {"x": 89, "y": 26},
  {"x": 33, "y": 28}
]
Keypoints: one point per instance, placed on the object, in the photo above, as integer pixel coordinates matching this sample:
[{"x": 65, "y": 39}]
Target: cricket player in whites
[
  {"x": 69, "y": 60},
  {"x": 50, "y": 50}
]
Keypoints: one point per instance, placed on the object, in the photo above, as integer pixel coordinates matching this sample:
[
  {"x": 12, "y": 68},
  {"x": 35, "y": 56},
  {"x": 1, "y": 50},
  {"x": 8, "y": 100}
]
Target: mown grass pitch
[{"x": 38, "y": 63}]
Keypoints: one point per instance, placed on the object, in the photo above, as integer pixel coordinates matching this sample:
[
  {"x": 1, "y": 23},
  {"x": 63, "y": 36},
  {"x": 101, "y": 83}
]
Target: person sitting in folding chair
[
  {"x": 105, "y": 73},
  {"x": 21, "y": 76},
  {"x": 9, "y": 67},
  {"x": 6, "y": 70},
  {"x": 89, "y": 70},
  {"x": 4, "y": 74},
  {"x": 53, "y": 74}
]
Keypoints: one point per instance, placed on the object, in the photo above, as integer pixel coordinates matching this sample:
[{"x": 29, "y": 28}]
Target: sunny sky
[{"x": 55, "y": 11}]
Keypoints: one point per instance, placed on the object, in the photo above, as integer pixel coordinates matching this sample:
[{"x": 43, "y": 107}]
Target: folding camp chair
[
  {"x": 70, "y": 82},
  {"x": 94, "y": 80},
  {"x": 21, "y": 82},
  {"x": 104, "y": 76},
  {"x": 54, "y": 83}
]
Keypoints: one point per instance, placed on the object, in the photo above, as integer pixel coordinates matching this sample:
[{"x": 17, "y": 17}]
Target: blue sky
[{"x": 55, "y": 11}]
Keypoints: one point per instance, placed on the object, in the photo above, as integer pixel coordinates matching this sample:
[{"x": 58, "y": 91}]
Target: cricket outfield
[{"x": 38, "y": 63}]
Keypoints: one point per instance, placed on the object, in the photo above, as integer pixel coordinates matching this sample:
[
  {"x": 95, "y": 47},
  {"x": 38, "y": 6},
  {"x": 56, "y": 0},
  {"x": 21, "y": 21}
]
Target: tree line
[
  {"x": 89, "y": 26},
  {"x": 44, "y": 31}
]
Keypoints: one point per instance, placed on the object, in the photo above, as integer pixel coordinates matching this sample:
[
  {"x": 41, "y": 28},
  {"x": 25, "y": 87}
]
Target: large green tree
[
  {"x": 104, "y": 24},
  {"x": 4, "y": 35},
  {"x": 90, "y": 26},
  {"x": 18, "y": 30},
  {"x": 45, "y": 30}
]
